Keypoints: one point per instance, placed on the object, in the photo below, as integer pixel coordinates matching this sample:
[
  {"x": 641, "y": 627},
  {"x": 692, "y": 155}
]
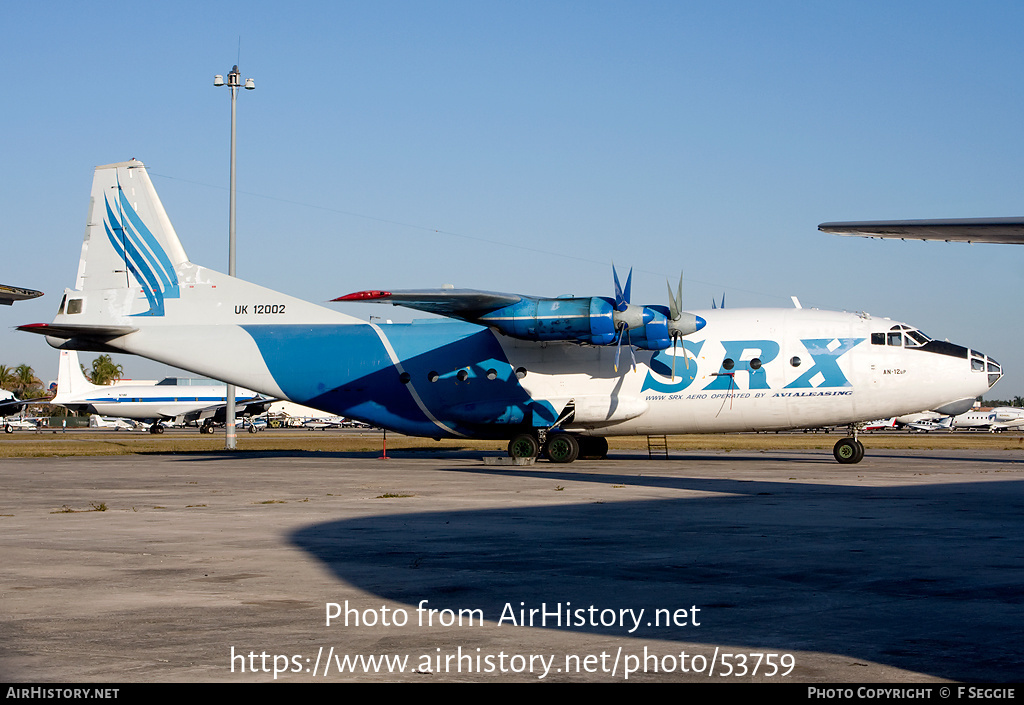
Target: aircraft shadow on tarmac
[
  {"x": 819, "y": 457},
  {"x": 925, "y": 578}
]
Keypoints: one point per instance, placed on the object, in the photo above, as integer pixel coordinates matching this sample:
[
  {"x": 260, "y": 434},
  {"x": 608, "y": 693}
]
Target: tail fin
[
  {"x": 137, "y": 292},
  {"x": 70, "y": 380},
  {"x": 126, "y": 212}
]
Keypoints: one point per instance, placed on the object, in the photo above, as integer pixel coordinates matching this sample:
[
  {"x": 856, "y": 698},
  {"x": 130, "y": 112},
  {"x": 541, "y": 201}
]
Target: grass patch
[
  {"x": 87, "y": 443},
  {"x": 93, "y": 507}
]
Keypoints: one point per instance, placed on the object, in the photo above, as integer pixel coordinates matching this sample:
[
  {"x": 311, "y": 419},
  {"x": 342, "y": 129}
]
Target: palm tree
[
  {"x": 104, "y": 370},
  {"x": 6, "y": 377},
  {"x": 25, "y": 379}
]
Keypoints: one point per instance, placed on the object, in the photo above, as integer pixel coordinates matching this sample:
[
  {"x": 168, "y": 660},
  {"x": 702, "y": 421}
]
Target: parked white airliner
[
  {"x": 167, "y": 400},
  {"x": 1003, "y": 418},
  {"x": 546, "y": 373}
]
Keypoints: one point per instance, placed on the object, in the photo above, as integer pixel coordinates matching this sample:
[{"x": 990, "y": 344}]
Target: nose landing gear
[{"x": 849, "y": 451}]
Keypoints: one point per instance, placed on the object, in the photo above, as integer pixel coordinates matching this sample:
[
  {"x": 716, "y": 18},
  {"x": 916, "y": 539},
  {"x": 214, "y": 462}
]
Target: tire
[
  {"x": 8, "y": 428},
  {"x": 562, "y": 448},
  {"x": 524, "y": 445},
  {"x": 252, "y": 429},
  {"x": 848, "y": 451}
]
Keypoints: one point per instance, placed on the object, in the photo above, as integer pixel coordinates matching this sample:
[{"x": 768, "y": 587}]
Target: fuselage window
[
  {"x": 520, "y": 372},
  {"x": 794, "y": 361},
  {"x": 433, "y": 376},
  {"x": 728, "y": 364},
  {"x": 463, "y": 375},
  {"x": 755, "y": 364}
]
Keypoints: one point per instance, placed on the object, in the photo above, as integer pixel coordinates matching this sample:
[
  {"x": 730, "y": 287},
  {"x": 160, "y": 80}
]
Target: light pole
[{"x": 234, "y": 83}]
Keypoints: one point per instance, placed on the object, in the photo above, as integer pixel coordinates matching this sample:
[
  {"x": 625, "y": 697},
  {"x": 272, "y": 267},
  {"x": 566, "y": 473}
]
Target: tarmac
[{"x": 300, "y": 566}]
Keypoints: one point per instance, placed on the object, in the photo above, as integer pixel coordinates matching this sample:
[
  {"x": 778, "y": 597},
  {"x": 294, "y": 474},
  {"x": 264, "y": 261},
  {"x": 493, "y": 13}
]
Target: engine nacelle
[
  {"x": 581, "y": 320},
  {"x": 590, "y": 320}
]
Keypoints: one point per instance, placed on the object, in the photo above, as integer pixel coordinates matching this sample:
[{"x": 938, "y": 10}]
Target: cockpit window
[
  {"x": 900, "y": 335},
  {"x": 917, "y": 337}
]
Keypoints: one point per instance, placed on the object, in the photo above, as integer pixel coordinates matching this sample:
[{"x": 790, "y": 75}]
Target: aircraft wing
[
  {"x": 588, "y": 320},
  {"x": 218, "y": 412},
  {"x": 466, "y": 304},
  {"x": 10, "y": 406},
  {"x": 10, "y": 294},
  {"x": 998, "y": 230}
]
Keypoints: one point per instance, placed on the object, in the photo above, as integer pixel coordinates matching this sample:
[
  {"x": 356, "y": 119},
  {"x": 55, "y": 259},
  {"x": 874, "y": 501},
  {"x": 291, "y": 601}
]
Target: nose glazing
[{"x": 981, "y": 362}]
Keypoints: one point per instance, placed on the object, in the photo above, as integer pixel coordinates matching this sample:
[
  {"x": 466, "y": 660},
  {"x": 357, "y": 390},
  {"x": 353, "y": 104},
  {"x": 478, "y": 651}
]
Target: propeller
[
  {"x": 626, "y": 315},
  {"x": 675, "y": 309},
  {"x": 680, "y": 322},
  {"x": 622, "y": 298},
  {"x": 624, "y": 329}
]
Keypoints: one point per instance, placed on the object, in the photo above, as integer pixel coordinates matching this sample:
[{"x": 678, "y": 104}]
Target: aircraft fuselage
[{"x": 749, "y": 369}]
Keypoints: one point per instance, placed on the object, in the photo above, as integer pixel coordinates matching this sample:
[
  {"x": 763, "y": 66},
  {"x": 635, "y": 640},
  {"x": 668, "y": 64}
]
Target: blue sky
[{"x": 524, "y": 146}]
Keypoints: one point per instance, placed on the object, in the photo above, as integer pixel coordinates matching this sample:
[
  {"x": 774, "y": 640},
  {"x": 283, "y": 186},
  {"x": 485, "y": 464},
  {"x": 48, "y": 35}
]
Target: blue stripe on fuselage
[{"x": 346, "y": 370}]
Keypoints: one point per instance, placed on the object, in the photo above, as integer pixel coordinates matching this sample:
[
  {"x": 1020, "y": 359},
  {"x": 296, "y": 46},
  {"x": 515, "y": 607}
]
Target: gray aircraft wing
[
  {"x": 218, "y": 412},
  {"x": 467, "y": 304},
  {"x": 998, "y": 230},
  {"x": 13, "y": 406}
]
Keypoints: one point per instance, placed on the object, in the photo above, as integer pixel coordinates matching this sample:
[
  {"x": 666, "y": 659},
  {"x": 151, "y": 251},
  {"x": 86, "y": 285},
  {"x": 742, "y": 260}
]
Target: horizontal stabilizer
[
  {"x": 998, "y": 230},
  {"x": 68, "y": 330}
]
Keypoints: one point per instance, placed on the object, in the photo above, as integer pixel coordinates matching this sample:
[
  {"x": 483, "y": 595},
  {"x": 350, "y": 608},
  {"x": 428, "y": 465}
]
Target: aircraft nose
[{"x": 980, "y": 362}]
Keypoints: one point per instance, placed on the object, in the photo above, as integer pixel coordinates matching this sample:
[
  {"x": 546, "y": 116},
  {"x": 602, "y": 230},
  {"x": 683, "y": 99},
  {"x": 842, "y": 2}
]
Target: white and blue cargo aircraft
[{"x": 541, "y": 372}]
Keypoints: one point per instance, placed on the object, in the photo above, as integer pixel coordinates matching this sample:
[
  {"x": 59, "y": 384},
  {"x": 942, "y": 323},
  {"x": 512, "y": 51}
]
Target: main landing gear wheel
[
  {"x": 252, "y": 429},
  {"x": 206, "y": 428},
  {"x": 848, "y": 451},
  {"x": 523, "y": 446},
  {"x": 156, "y": 428},
  {"x": 8, "y": 428},
  {"x": 562, "y": 448}
]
